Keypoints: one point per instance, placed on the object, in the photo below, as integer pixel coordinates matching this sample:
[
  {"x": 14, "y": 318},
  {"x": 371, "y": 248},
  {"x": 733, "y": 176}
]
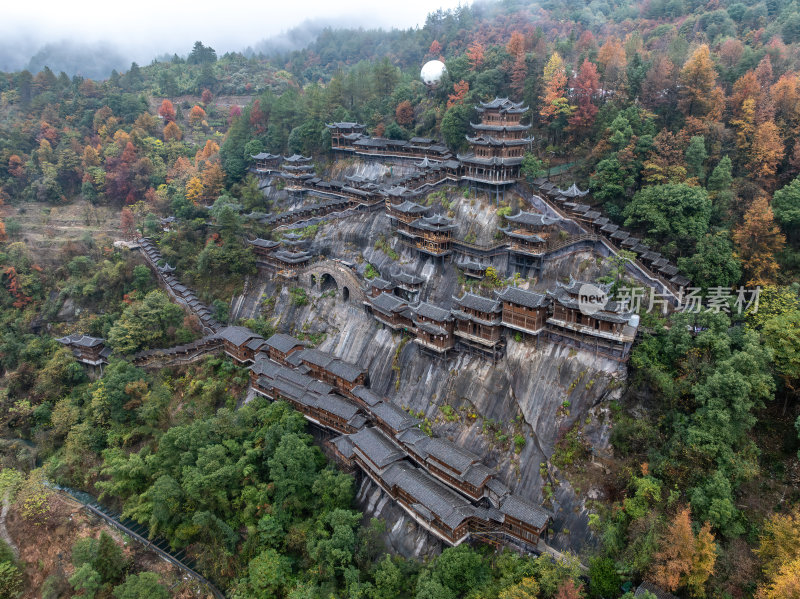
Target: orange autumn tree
[
  {"x": 207, "y": 152},
  {"x": 612, "y": 60},
  {"x": 213, "y": 179},
  {"x": 196, "y": 115},
  {"x": 404, "y": 113},
  {"x": 757, "y": 241},
  {"x": 475, "y": 55},
  {"x": 685, "y": 560},
  {"x": 516, "y": 48},
  {"x": 460, "y": 90},
  {"x": 172, "y": 132},
  {"x": 699, "y": 95},
  {"x": 766, "y": 152},
  {"x": 786, "y": 96},
  {"x": 554, "y": 101},
  {"x": 435, "y": 50},
  {"x": 167, "y": 111}
]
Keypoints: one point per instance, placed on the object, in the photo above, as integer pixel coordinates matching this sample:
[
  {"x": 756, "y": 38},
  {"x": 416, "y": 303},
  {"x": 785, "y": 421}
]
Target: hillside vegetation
[{"x": 682, "y": 118}]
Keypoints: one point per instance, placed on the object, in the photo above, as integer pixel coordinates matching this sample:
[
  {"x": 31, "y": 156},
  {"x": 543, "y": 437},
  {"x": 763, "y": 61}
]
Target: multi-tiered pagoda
[{"x": 498, "y": 146}]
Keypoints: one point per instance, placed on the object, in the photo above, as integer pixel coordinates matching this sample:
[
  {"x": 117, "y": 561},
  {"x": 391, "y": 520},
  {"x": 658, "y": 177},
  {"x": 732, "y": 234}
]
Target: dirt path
[{"x": 3, "y": 530}]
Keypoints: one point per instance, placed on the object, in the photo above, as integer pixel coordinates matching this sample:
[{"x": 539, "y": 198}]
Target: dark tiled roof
[
  {"x": 282, "y": 342},
  {"x": 345, "y": 370},
  {"x": 479, "y": 303},
  {"x": 81, "y": 340},
  {"x": 376, "y": 446},
  {"x": 379, "y": 283},
  {"x": 529, "y": 299},
  {"x": 237, "y": 335},
  {"x": 408, "y": 278},
  {"x": 345, "y": 125},
  {"x": 388, "y": 303},
  {"x": 255, "y": 344},
  {"x": 395, "y": 418},
  {"x": 365, "y": 395},
  {"x": 336, "y": 405},
  {"x": 532, "y": 219},
  {"x": 315, "y": 357},
  {"x": 457, "y": 459},
  {"x": 574, "y": 286},
  {"x": 448, "y": 506},
  {"x": 343, "y": 445},
  {"x": 432, "y": 312},
  {"x": 265, "y": 368},
  {"x": 524, "y": 511}
]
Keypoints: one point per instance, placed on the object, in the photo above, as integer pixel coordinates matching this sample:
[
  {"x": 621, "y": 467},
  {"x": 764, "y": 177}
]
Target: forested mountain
[{"x": 681, "y": 118}]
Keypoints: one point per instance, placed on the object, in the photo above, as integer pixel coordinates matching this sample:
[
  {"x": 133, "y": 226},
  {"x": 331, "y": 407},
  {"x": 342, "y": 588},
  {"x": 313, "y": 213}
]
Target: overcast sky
[{"x": 146, "y": 28}]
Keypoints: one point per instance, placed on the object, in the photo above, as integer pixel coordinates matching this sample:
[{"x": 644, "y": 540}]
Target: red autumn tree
[
  {"x": 404, "y": 113},
  {"x": 167, "y": 111},
  {"x": 460, "y": 90},
  {"x": 569, "y": 590},
  {"x": 127, "y": 222},
  {"x": 730, "y": 52},
  {"x": 379, "y": 130},
  {"x": 435, "y": 50},
  {"x": 14, "y": 287},
  {"x": 475, "y": 54},
  {"x": 16, "y": 167},
  {"x": 659, "y": 83},
  {"x": 258, "y": 118},
  {"x": 586, "y": 86},
  {"x": 206, "y": 97},
  {"x": 519, "y": 72}
]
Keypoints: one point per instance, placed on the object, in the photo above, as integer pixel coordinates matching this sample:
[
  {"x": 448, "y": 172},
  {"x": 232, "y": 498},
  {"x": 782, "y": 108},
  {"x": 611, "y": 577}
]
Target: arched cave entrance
[{"x": 327, "y": 282}]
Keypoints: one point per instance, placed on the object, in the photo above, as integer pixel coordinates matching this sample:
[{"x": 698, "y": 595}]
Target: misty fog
[{"x": 91, "y": 39}]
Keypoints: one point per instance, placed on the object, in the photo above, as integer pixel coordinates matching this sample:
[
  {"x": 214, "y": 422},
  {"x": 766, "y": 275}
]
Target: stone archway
[{"x": 332, "y": 274}]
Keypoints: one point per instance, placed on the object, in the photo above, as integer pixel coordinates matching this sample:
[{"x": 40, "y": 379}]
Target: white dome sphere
[{"x": 432, "y": 72}]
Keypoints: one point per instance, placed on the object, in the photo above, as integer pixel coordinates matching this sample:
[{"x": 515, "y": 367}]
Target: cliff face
[{"x": 536, "y": 392}]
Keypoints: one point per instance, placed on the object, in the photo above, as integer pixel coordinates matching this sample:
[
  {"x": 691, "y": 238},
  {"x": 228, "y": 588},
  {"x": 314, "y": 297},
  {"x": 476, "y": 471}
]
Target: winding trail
[{"x": 3, "y": 530}]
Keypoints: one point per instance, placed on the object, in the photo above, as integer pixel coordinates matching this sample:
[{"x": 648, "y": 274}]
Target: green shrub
[{"x": 299, "y": 296}]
